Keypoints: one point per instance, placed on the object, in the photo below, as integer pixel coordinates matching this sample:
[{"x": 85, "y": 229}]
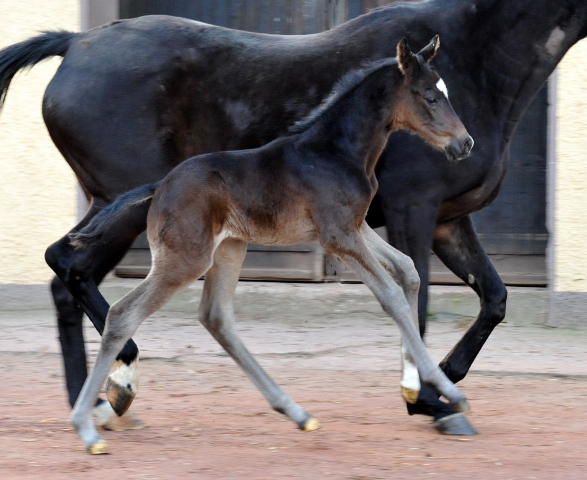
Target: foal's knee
[{"x": 410, "y": 277}]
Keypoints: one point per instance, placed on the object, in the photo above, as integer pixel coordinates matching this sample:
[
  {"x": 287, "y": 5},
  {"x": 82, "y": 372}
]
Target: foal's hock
[{"x": 315, "y": 184}]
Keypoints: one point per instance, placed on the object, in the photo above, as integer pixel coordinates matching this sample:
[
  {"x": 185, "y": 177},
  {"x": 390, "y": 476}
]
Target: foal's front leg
[
  {"x": 217, "y": 315},
  {"x": 446, "y": 419},
  {"x": 401, "y": 268},
  {"x": 352, "y": 248}
]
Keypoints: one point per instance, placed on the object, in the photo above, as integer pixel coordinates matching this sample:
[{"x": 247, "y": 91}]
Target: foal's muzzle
[{"x": 458, "y": 150}]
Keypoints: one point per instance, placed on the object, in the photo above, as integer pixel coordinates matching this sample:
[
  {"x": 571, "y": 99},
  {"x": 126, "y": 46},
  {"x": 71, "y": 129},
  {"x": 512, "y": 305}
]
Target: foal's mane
[{"x": 346, "y": 84}]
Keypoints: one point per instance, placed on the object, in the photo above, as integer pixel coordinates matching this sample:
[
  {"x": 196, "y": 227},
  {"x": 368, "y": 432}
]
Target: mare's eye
[{"x": 431, "y": 101}]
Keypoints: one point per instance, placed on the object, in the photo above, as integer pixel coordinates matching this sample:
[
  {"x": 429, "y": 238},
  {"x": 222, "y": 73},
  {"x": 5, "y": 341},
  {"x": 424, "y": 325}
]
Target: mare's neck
[
  {"x": 495, "y": 54},
  {"x": 356, "y": 127},
  {"x": 506, "y": 52}
]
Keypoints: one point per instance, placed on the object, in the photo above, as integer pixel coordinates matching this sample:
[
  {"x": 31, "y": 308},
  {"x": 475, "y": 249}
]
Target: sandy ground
[{"x": 337, "y": 354}]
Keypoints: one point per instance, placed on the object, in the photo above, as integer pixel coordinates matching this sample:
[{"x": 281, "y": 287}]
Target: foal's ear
[
  {"x": 406, "y": 60},
  {"x": 429, "y": 51}
]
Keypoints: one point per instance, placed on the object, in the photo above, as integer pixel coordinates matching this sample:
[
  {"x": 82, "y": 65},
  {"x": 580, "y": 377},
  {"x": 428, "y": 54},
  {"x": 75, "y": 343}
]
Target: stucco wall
[
  {"x": 37, "y": 188},
  {"x": 570, "y": 218}
]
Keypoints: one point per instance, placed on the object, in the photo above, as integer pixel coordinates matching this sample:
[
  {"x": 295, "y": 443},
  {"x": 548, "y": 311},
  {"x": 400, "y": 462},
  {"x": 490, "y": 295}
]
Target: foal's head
[{"x": 422, "y": 104}]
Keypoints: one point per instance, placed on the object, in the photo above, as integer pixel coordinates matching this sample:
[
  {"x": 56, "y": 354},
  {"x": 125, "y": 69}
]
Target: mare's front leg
[
  {"x": 456, "y": 244},
  {"x": 217, "y": 315},
  {"x": 352, "y": 248},
  {"x": 410, "y": 229},
  {"x": 80, "y": 269},
  {"x": 446, "y": 419}
]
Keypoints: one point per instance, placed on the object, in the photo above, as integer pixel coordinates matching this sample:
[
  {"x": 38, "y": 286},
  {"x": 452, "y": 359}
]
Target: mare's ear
[
  {"x": 406, "y": 60},
  {"x": 429, "y": 51}
]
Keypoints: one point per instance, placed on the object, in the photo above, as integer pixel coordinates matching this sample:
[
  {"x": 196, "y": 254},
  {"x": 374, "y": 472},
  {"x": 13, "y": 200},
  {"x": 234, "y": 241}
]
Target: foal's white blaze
[
  {"x": 127, "y": 374},
  {"x": 442, "y": 87},
  {"x": 410, "y": 378}
]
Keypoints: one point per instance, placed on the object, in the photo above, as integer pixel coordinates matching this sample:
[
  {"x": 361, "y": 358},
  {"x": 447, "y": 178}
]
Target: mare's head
[{"x": 422, "y": 104}]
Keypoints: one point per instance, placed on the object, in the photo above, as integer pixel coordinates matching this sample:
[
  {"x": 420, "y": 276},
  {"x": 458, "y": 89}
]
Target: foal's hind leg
[
  {"x": 217, "y": 315},
  {"x": 352, "y": 248},
  {"x": 169, "y": 274}
]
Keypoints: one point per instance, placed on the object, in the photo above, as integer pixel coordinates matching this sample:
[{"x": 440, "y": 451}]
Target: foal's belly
[{"x": 273, "y": 231}]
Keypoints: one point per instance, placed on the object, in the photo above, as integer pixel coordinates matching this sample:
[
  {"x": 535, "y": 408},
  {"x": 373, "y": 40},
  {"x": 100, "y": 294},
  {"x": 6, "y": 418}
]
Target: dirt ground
[{"x": 205, "y": 420}]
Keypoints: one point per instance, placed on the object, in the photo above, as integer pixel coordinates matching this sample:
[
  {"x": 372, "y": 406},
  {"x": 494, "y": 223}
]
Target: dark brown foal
[{"x": 315, "y": 184}]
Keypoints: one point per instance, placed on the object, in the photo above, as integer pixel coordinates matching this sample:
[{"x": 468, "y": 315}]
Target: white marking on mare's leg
[
  {"x": 442, "y": 87},
  {"x": 555, "y": 41},
  {"x": 123, "y": 385},
  {"x": 410, "y": 380}
]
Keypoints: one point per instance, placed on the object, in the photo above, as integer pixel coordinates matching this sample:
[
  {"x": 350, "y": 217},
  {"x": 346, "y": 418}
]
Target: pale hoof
[
  {"x": 456, "y": 424},
  {"x": 98, "y": 448},
  {"x": 311, "y": 425},
  {"x": 461, "y": 405},
  {"x": 119, "y": 396},
  {"x": 410, "y": 396}
]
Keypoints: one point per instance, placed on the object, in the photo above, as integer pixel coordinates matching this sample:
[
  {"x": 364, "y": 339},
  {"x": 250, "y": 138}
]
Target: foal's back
[{"x": 258, "y": 195}]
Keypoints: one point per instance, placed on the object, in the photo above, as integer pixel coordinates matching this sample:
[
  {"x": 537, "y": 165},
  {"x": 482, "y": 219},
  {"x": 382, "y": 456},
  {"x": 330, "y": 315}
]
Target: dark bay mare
[
  {"x": 315, "y": 184},
  {"x": 133, "y": 99}
]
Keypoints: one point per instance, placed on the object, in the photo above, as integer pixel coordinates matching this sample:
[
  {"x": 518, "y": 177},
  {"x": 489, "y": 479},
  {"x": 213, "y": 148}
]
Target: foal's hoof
[
  {"x": 410, "y": 396},
  {"x": 456, "y": 424},
  {"x": 98, "y": 448},
  {"x": 461, "y": 405},
  {"x": 119, "y": 396},
  {"x": 309, "y": 424}
]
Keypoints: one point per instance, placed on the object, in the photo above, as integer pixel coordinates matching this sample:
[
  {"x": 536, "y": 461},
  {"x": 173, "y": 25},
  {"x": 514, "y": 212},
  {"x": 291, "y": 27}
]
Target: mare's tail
[
  {"x": 26, "y": 54},
  {"x": 127, "y": 204}
]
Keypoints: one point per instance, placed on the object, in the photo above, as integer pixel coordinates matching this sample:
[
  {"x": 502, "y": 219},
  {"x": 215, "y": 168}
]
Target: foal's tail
[
  {"x": 28, "y": 53},
  {"x": 127, "y": 204}
]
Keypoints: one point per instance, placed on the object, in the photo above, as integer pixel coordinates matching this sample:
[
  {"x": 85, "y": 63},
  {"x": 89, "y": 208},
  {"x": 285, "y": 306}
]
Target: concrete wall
[
  {"x": 38, "y": 190},
  {"x": 569, "y": 282}
]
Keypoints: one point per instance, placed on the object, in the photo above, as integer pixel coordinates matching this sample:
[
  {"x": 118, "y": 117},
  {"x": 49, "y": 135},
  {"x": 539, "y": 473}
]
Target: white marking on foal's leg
[
  {"x": 442, "y": 87},
  {"x": 123, "y": 385},
  {"x": 411, "y": 379}
]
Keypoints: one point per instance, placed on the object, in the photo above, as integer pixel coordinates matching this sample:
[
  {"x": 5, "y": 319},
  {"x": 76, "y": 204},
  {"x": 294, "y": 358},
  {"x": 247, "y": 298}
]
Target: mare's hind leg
[
  {"x": 81, "y": 268},
  {"x": 170, "y": 273},
  {"x": 217, "y": 315},
  {"x": 447, "y": 420},
  {"x": 352, "y": 248}
]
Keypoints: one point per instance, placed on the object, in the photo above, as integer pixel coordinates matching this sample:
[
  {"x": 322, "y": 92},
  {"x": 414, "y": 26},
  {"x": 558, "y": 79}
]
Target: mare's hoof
[
  {"x": 119, "y": 396},
  {"x": 456, "y": 424},
  {"x": 311, "y": 425},
  {"x": 410, "y": 396},
  {"x": 461, "y": 405},
  {"x": 98, "y": 448}
]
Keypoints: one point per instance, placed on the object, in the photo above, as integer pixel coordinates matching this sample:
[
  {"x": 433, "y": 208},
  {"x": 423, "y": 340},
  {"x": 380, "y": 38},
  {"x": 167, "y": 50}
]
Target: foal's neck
[{"x": 356, "y": 128}]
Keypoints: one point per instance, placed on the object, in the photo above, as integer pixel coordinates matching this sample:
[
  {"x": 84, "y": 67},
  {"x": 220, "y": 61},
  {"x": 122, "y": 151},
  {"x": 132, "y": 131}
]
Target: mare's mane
[{"x": 345, "y": 85}]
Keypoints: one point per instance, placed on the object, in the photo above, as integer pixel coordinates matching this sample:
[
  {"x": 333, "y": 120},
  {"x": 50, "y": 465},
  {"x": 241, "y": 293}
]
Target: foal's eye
[{"x": 431, "y": 101}]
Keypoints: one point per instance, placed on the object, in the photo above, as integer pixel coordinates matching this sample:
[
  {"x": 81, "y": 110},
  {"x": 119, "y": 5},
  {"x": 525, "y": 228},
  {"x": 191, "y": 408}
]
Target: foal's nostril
[{"x": 468, "y": 145}]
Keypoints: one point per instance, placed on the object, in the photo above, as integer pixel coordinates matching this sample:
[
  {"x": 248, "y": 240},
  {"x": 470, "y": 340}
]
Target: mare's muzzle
[{"x": 458, "y": 150}]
